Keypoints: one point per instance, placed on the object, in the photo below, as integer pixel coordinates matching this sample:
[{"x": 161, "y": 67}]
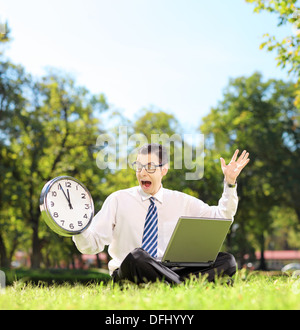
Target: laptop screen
[{"x": 196, "y": 240}]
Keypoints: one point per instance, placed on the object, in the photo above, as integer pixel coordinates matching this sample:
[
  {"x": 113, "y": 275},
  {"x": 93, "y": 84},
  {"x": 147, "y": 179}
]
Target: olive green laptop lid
[{"x": 196, "y": 241}]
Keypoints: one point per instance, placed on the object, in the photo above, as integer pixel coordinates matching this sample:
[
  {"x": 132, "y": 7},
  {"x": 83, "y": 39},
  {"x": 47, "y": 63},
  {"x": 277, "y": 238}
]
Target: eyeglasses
[{"x": 150, "y": 167}]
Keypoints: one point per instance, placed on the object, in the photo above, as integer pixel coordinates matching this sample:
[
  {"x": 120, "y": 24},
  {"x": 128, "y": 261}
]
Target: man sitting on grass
[{"x": 138, "y": 222}]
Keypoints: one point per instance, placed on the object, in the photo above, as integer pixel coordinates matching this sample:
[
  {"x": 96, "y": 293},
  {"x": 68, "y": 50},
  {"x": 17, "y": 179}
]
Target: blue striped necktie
[{"x": 150, "y": 235}]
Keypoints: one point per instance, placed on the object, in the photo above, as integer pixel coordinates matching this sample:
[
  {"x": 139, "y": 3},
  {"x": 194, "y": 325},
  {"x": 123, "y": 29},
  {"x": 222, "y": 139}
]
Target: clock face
[{"x": 69, "y": 206}]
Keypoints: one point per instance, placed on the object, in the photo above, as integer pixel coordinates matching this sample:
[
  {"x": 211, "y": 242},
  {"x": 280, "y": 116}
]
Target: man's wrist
[{"x": 230, "y": 184}]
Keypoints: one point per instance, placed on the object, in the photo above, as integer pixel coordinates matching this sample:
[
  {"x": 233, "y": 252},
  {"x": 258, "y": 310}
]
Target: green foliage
[
  {"x": 288, "y": 49},
  {"x": 261, "y": 118},
  {"x": 49, "y": 127},
  {"x": 55, "y": 276}
]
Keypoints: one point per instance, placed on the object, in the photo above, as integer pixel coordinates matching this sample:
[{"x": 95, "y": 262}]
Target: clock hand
[
  {"x": 71, "y": 207},
  {"x": 68, "y": 199}
]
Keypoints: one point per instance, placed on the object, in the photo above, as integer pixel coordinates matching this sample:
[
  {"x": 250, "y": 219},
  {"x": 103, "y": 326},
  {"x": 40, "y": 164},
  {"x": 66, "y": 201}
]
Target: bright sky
[{"x": 175, "y": 55}]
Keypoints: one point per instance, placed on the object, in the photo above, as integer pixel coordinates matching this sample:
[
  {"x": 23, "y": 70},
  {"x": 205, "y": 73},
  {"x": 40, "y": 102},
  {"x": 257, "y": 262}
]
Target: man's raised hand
[{"x": 234, "y": 168}]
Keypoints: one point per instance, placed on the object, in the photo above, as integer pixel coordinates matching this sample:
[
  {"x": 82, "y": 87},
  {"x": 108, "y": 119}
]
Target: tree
[
  {"x": 260, "y": 117},
  {"x": 59, "y": 135},
  {"x": 51, "y": 132},
  {"x": 288, "y": 49},
  {"x": 48, "y": 127},
  {"x": 13, "y": 82}
]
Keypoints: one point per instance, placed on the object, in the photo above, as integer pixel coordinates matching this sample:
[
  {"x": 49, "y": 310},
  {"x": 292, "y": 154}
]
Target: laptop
[{"x": 196, "y": 242}]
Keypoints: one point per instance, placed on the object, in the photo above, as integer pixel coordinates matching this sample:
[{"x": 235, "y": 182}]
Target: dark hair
[{"x": 157, "y": 149}]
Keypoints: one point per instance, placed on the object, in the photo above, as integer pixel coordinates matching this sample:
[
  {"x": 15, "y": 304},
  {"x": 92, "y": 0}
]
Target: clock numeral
[
  {"x": 85, "y": 216},
  {"x": 55, "y": 214},
  {"x": 68, "y": 184},
  {"x": 71, "y": 226},
  {"x": 51, "y": 204},
  {"x": 87, "y": 206},
  {"x": 54, "y": 193},
  {"x": 83, "y": 196},
  {"x": 80, "y": 223},
  {"x": 62, "y": 222}
]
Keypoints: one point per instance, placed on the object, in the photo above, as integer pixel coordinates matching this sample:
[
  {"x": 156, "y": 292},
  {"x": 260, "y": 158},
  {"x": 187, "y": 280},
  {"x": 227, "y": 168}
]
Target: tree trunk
[
  {"x": 262, "y": 264},
  {"x": 99, "y": 263},
  {"x": 4, "y": 260},
  {"x": 35, "y": 255}
]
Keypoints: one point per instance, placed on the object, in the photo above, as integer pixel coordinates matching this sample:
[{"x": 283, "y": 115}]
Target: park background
[{"x": 71, "y": 71}]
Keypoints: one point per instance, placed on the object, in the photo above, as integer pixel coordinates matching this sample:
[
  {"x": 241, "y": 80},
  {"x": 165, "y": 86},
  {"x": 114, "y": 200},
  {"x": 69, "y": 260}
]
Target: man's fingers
[
  {"x": 223, "y": 164},
  {"x": 244, "y": 155},
  {"x": 242, "y": 161},
  {"x": 245, "y": 162},
  {"x": 234, "y": 155}
]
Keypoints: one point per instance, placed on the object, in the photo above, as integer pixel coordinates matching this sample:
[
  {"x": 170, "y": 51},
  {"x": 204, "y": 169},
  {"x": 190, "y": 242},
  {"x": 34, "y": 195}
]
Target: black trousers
[{"x": 140, "y": 267}]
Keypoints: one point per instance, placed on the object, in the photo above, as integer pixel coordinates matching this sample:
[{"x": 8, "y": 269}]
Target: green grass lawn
[{"x": 248, "y": 292}]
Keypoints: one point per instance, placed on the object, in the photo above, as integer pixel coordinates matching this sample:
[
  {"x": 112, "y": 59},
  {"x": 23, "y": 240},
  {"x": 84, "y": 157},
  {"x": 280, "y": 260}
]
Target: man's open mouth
[{"x": 146, "y": 184}]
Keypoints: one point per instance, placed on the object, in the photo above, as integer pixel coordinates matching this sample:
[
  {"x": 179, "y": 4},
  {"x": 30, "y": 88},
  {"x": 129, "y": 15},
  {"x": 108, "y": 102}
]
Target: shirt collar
[{"x": 158, "y": 196}]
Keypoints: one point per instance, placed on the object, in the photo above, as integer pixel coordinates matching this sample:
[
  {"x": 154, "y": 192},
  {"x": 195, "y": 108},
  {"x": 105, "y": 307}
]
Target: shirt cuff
[
  {"x": 230, "y": 188},
  {"x": 230, "y": 185},
  {"x": 81, "y": 240}
]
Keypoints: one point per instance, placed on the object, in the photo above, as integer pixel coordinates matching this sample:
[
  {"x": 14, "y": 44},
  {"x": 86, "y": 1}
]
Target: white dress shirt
[{"x": 120, "y": 222}]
